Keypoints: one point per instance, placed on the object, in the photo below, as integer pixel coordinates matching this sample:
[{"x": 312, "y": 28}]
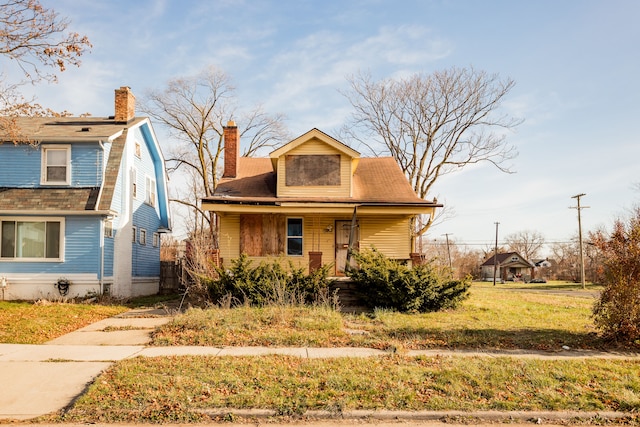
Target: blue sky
[{"x": 576, "y": 64}]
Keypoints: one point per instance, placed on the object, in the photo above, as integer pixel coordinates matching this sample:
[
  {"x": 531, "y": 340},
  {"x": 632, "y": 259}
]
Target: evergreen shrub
[{"x": 387, "y": 283}]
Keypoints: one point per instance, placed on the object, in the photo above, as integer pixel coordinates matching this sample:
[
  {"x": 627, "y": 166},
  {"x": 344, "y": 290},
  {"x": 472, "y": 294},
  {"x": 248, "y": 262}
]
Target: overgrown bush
[
  {"x": 386, "y": 283},
  {"x": 270, "y": 282},
  {"x": 617, "y": 312}
]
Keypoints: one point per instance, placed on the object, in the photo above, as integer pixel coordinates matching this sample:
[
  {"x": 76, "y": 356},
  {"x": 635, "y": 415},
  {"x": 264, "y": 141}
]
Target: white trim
[
  {"x": 142, "y": 241},
  {"x": 61, "y": 237},
  {"x": 43, "y": 163},
  {"x": 134, "y": 234}
]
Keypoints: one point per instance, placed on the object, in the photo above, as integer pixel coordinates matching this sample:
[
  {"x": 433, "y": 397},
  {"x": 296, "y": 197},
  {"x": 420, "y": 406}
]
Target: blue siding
[
  {"x": 21, "y": 165},
  {"x": 86, "y": 165},
  {"x": 146, "y": 258},
  {"x": 81, "y": 251}
]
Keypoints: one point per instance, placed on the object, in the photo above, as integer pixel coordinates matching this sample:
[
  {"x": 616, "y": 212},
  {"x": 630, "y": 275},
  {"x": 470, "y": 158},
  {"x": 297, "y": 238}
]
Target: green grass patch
[
  {"x": 30, "y": 323},
  {"x": 178, "y": 389},
  {"x": 500, "y": 317}
]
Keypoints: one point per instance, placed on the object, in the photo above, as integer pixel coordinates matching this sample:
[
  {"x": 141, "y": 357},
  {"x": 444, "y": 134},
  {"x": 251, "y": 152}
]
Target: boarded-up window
[
  {"x": 262, "y": 235},
  {"x": 315, "y": 169}
]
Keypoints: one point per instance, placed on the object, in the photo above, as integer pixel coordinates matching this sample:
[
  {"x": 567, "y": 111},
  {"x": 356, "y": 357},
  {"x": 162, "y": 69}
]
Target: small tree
[{"x": 617, "y": 312}]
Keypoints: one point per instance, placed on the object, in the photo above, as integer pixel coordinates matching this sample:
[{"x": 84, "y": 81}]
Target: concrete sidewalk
[{"x": 42, "y": 379}]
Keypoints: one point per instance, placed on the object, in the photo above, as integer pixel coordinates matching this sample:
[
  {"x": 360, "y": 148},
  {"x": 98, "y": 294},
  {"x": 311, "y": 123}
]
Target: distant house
[
  {"x": 82, "y": 206},
  {"x": 510, "y": 266},
  {"x": 311, "y": 201}
]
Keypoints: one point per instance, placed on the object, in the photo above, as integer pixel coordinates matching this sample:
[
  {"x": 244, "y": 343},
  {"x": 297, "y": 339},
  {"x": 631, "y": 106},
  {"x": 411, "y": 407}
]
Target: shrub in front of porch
[
  {"x": 387, "y": 283},
  {"x": 270, "y": 282}
]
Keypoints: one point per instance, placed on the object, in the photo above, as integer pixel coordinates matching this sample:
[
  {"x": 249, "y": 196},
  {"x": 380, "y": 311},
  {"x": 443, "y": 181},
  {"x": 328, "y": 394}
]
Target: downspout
[{"x": 101, "y": 279}]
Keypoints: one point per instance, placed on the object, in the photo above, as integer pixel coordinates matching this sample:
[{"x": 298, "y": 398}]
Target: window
[
  {"x": 108, "y": 229},
  {"x": 137, "y": 148},
  {"x": 134, "y": 234},
  {"x": 294, "y": 236},
  {"x": 31, "y": 239},
  {"x": 312, "y": 169},
  {"x": 150, "y": 196},
  {"x": 56, "y": 164},
  {"x": 156, "y": 240},
  {"x": 143, "y": 237},
  {"x": 134, "y": 183}
]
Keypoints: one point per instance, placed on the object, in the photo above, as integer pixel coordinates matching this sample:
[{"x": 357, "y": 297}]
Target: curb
[{"x": 537, "y": 417}]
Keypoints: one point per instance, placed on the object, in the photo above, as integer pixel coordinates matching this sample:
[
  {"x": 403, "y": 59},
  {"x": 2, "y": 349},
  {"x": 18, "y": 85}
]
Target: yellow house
[{"x": 312, "y": 200}]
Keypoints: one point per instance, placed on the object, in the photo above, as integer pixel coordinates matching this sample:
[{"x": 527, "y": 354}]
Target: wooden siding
[
  {"x": 262, "y": 234},
  {"x": 389, "y": 234},
  {"x": 315, "y": 147}
]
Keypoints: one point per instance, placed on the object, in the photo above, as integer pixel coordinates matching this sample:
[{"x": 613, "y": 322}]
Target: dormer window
[
  {"x": 314, "y": 169},
  {"x": 56, "y": 164}
]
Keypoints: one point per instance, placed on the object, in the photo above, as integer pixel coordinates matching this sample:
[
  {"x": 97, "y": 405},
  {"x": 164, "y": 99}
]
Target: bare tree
[
  {"x": 433, "y": 124},
  {"x": 36, "y": 40},
  {"x": 527, "y": 243},
  {"x": 194, "y": 110},
  {"x": 566, "y": 257},
  {"x": 36, "y": 37}
]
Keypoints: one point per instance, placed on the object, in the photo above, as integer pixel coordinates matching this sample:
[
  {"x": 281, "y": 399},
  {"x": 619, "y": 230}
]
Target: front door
[{"x": 343, "y": 231}]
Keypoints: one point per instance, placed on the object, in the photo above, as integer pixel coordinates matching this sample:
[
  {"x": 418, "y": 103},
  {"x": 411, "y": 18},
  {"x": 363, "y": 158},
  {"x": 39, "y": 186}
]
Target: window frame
[
  {"x": 142, "y": 237},
  {"x": 299, "y": 237},
  {"x": 156, "y": 240},
  {"x": 150, "y": 193},
  {"x": 108, "y": 228},
  {"x": 45, "y": 220},
  {"x": 134, "y": 182},
  {"x": 134, "y": 234},
  {"x": 45, "y": 148}
]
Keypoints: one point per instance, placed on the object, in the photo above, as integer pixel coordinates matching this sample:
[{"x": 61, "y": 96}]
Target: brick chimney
[
  {"x": 125, "y": 109},
  {"x": 231, "y": 150}
]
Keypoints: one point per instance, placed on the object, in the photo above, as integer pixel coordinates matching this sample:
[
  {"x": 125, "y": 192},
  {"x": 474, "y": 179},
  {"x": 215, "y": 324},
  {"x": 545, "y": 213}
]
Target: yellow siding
[
  {"x": 315, "y": 146},
  {"x": 315, "y": 238},
  {"x": 229, "y": 238},
  {"x": 390, "y": 235}
]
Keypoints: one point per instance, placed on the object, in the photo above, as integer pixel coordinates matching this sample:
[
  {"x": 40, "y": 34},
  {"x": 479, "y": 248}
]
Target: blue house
[{"x": 83, "y": 203}]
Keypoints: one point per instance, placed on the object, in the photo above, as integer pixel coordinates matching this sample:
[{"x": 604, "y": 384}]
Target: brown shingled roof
[
  {"x": 376, "y": 180},
  {"x": 67, "y": 129}
]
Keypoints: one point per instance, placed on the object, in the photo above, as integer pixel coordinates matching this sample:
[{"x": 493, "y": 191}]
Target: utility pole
[
  {"x": 448, "y": 250},
  {"x": 579, "y": 208},
  {"x": 495, "y": 256}
]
